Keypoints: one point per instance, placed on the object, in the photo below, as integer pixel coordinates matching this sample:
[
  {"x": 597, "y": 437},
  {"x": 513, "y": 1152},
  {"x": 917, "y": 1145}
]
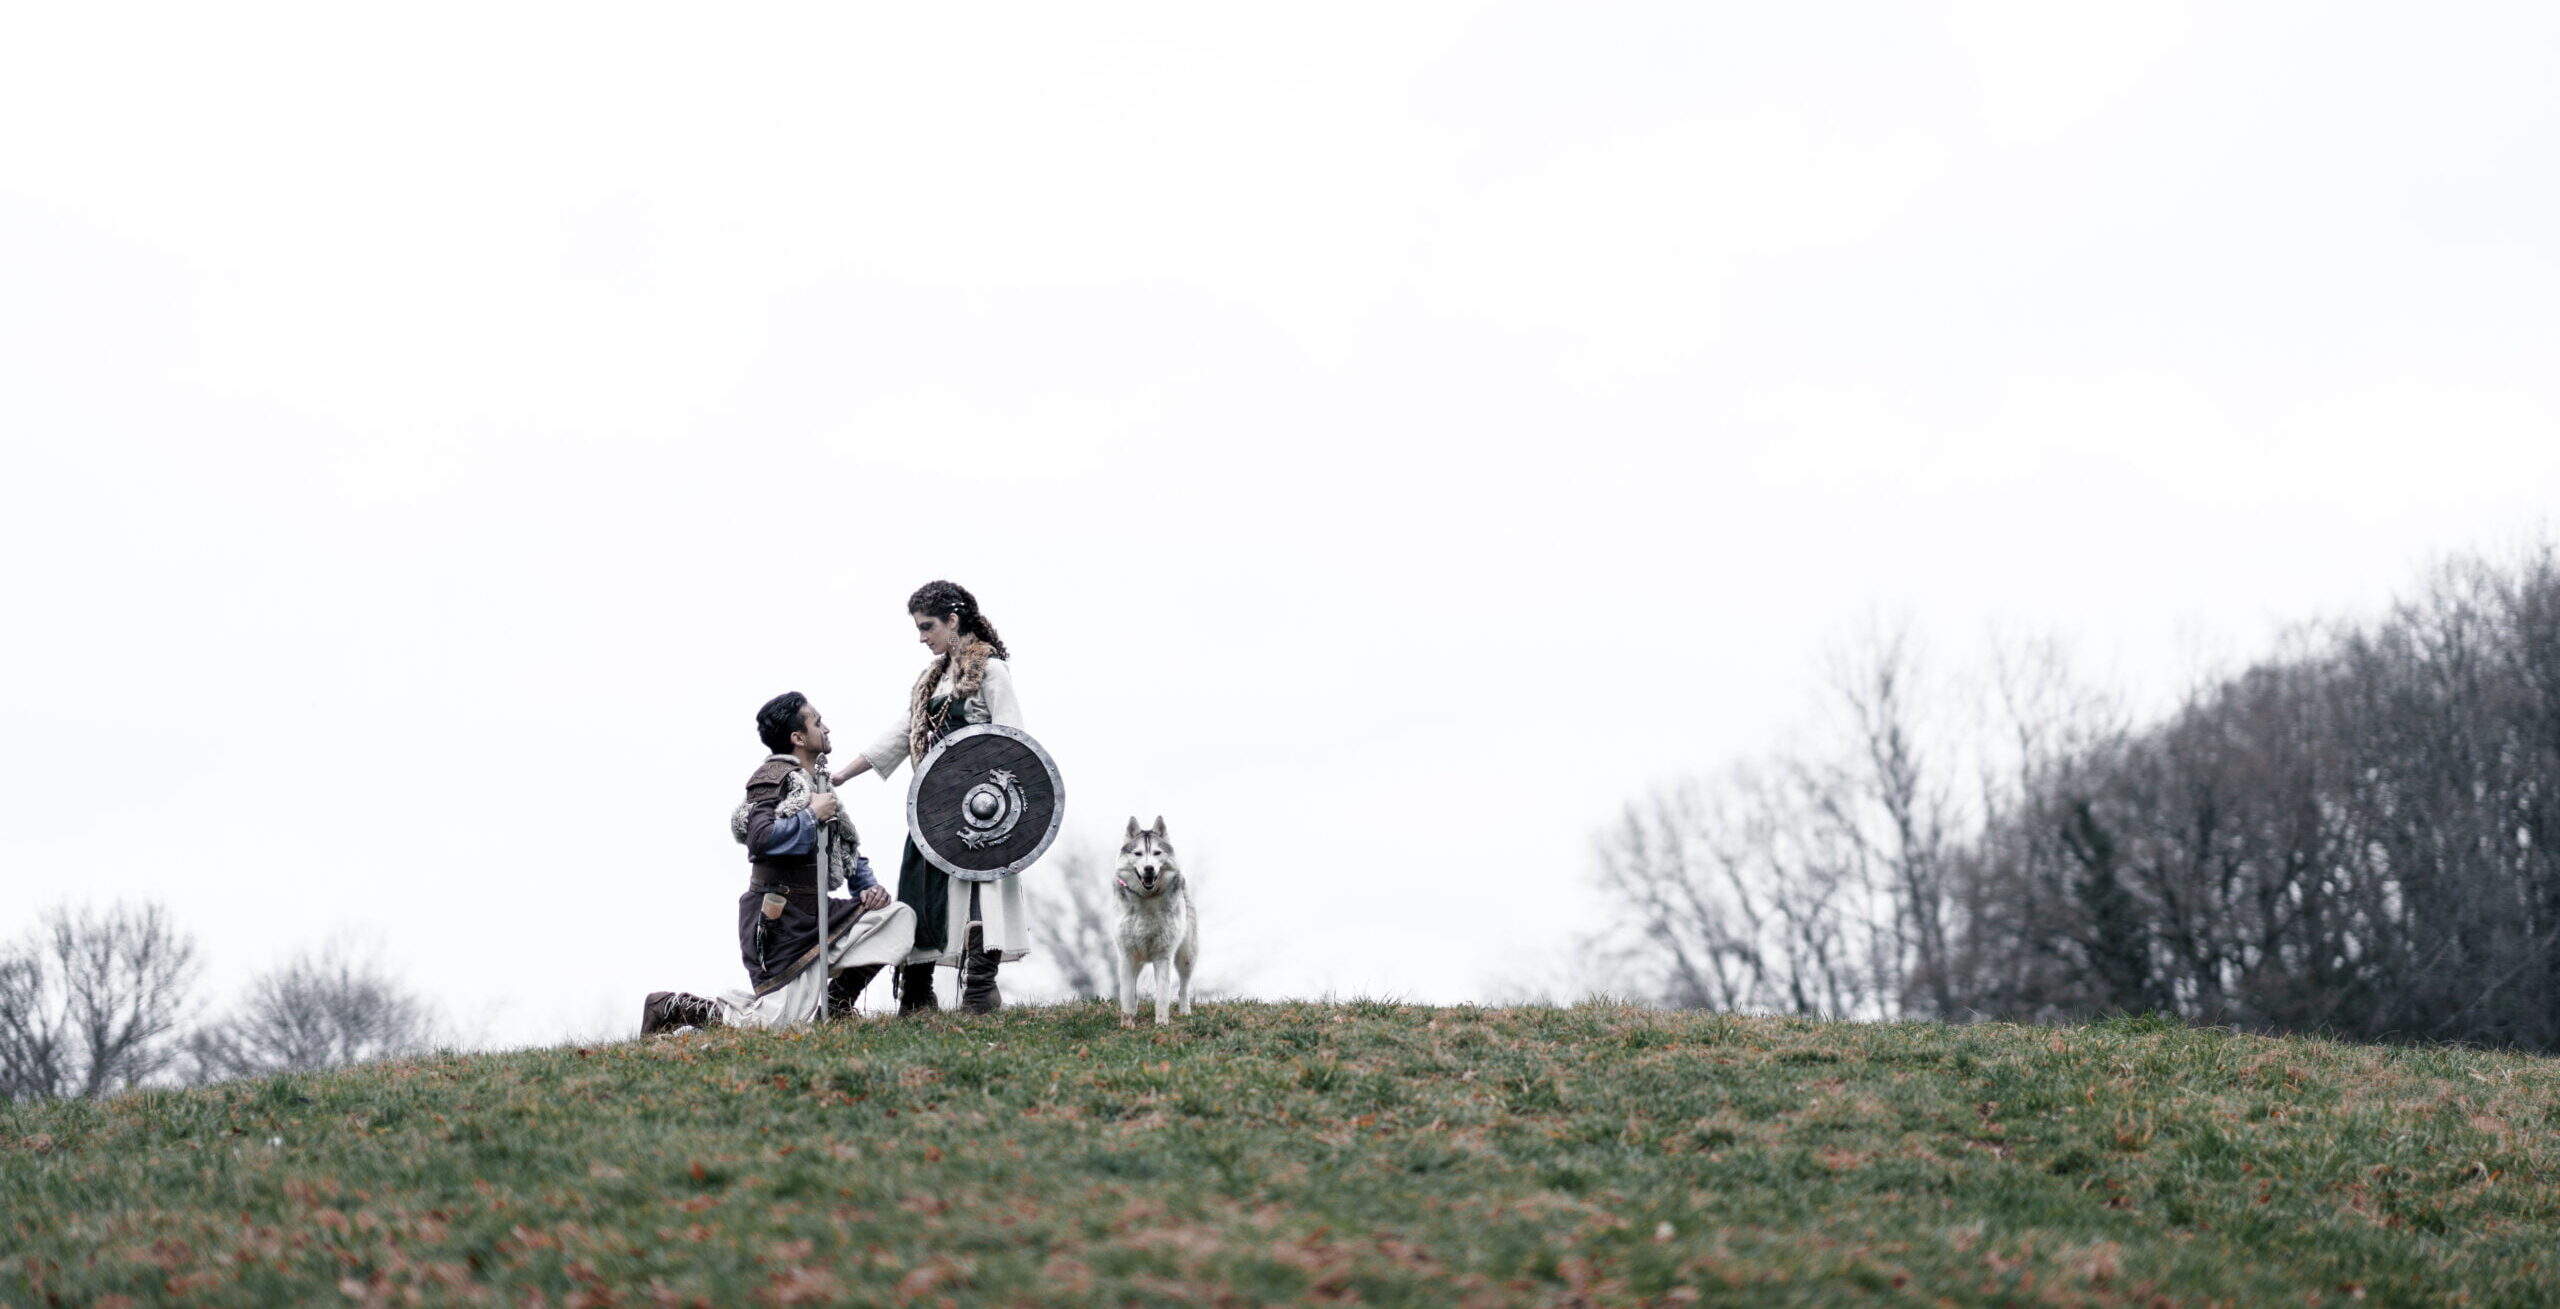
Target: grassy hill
[{"x": 1282, "y": 1154}]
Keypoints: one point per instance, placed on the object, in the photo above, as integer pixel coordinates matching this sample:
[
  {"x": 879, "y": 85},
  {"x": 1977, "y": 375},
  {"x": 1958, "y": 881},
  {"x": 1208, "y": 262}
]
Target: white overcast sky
[{"x": 1390, "y": 436}]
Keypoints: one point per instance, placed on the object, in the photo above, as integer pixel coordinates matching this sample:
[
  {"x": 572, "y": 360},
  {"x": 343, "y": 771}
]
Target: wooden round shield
[{"x": 985, "y": 802}]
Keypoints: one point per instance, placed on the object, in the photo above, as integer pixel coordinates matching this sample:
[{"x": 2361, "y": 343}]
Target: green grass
[{"x": 1283, "y": 1154}]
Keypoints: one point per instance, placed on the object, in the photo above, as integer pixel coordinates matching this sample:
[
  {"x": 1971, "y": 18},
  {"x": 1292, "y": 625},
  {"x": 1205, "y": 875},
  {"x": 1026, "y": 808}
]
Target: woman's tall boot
[{"x": 978, "y": 993}]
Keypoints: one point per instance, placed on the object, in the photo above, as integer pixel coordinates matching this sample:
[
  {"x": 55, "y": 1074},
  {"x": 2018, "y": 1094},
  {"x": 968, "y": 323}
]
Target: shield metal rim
[{"x": 1057, "y": 810}]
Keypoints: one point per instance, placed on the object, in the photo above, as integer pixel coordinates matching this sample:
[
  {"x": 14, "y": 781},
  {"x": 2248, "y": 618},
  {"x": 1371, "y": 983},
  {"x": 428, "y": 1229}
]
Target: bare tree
[
  {"x": 1743, "y": 893},
  {"x": 1072, "y": 923},
  {"x": 1893, "y": 796},
  {"x": 91, "y": 1001},
  {"x": 2358, "y": 834},
  {"x": 321, "y": 1010},
  {"x": 35, "y": 1036},
  {"x": 2039, "y": 890}
]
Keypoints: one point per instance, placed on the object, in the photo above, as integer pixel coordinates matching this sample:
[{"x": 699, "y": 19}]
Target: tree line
[
  {"x": 2357, "y": 836},
  {"x": 95, "y": 1000},
  {"x": 100, "y": 999}
]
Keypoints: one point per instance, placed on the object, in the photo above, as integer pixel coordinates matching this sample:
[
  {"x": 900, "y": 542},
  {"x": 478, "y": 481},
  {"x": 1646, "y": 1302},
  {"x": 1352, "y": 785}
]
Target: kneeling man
[{"x": 788, "y": 818}]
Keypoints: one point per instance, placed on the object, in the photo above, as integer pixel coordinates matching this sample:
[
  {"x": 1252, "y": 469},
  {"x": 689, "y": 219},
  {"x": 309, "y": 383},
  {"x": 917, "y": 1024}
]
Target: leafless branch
[{"x": 91, "y": 1001}]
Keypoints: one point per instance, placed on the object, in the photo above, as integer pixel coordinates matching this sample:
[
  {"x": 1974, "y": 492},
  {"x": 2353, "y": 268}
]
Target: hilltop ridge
[{"x": 1295, "y": 1153}]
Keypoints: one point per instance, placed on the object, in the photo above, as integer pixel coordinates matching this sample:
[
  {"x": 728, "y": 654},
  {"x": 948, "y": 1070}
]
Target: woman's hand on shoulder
[{"x": 861, "y": 764}]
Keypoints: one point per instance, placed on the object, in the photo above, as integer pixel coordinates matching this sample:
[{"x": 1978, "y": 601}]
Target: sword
[{"x": 823, "y": 785}]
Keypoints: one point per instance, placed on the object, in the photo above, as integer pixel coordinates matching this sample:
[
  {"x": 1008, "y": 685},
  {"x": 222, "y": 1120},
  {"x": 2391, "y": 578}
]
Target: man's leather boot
[
  {"x": 665, "y": 1011},
  {"x": 978, "y": 993},
  {"x": 915, "y": 990},
  {"x": 844, "y": 988}
]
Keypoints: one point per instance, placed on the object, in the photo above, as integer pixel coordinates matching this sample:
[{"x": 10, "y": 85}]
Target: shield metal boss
[{"x": 985, "y": 802}]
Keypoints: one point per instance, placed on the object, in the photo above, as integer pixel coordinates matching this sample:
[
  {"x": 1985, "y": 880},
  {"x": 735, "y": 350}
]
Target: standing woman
[{"x": 971, "y": 926}]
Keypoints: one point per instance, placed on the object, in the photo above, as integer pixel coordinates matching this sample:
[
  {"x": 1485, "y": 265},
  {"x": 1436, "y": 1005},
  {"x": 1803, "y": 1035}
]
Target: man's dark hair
[{"x": 779, "y": 718}]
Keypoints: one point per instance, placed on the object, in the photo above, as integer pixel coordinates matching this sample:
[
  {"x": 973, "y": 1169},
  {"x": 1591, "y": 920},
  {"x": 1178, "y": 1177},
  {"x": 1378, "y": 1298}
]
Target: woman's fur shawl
[{"x": 967, "y": 664}]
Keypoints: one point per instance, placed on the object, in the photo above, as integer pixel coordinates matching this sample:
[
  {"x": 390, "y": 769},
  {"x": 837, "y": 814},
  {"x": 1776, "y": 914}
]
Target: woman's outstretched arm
[
  {"x": 997, "y": 687},
  {"x": 882, "y": 756}
]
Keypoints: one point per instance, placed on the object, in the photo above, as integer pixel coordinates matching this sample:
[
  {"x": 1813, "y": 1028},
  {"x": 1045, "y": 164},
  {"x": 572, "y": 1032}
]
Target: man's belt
[{"x": 756, "y": 882}]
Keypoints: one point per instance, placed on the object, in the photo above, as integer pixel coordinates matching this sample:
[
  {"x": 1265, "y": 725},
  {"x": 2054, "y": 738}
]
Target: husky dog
[{"x": 1157, "y": 925}]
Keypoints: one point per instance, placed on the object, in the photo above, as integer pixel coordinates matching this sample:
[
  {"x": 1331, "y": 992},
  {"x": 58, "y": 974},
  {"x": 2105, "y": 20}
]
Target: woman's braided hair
[{"x": 941, "y": 599}]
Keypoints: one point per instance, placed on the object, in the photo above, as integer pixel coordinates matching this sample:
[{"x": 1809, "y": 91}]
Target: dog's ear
[
  {"x": 1158, "y": 829},
  {"x": 1133, "y": 827}
]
